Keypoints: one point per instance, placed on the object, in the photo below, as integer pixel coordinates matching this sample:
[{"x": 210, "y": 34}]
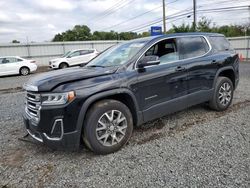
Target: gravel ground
[{"x": 196, "y": 147}]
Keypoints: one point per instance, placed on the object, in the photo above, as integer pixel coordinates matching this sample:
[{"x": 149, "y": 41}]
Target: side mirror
[{"x": 148, "y": 61}]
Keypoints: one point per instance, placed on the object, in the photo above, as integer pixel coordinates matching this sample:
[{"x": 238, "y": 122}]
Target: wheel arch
[
  {"x": 63, "y": 62},
  {"x": 123, "y": 95},
  {"x": 226, "y": 72}
]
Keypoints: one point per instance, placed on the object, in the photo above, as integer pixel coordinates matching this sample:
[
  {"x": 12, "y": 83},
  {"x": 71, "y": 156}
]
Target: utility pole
[
  {"x": 164, "y": 16},
  {"x": 194, "y": 10}
]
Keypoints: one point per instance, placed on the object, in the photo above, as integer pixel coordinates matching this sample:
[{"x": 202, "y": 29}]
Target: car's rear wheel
[
  {"x": 108, "y": 126},
  {"x": 24, "y": 71},
  {"x": 223, "y": 94},
  {"x": 63, "y": 65}
]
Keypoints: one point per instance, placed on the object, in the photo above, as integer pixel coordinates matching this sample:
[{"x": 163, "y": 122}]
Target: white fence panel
[{"x": 43, "y": 52}]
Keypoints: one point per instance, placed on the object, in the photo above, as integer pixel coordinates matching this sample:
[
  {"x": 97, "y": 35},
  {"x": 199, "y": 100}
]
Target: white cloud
[
  {"x": 4, "y": 17},
  {"x": 40, "y": 20},
  {"x": 56, "y": 4},
  {"x": 30, "y": 17},
  {"x": 8, "y": 31},
  {"x": 51, "y": 26}
]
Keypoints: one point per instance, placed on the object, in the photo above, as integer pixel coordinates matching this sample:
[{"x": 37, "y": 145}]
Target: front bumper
[
  {"x": 52, "y": 66},
  {"x": 56, "y": 138}
]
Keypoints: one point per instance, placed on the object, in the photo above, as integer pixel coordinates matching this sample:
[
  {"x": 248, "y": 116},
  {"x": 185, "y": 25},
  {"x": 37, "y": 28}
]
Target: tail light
[{"x": 32, "y": 61}]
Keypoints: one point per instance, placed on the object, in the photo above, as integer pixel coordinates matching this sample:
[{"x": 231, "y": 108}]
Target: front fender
[{"x": 89, "y": 101}]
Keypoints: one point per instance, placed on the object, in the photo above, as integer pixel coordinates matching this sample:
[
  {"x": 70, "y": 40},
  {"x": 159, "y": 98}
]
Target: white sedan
[
  {"x": 73, "y": 58},
  {"x": 11, "y": 65}
]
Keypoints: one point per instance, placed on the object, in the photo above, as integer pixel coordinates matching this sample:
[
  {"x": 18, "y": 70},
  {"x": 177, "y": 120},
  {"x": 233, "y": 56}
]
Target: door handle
[
  {"x": 214, "y": 62},
  {"x": 180, "y": 68}
]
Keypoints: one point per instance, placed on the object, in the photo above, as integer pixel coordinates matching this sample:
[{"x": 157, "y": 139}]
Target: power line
[
  {"x": 204, "y": 10},
  {"x": 108, "y": 9},
  {"x": 160, "y": 20},
  {"x": 135, "y": 17},
  {"x": 115, "y": 10}
]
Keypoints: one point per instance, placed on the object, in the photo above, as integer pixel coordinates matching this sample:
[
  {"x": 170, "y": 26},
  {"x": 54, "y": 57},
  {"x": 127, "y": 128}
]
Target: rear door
[
  {"x": 195, "y": 51},
  {"x": 86, "y": 55}
]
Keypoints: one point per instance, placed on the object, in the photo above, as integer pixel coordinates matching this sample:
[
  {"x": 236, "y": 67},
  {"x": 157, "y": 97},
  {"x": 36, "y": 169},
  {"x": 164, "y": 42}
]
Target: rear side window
[
  {"x": 17, "y": 59},
  {"x": 74, "y": 54},
  {"x": 8, "y": 60},
  {"x": 191, "y": 47},
  {"x": 85, "y": 52},
  {"x": 220, "y": 43}
]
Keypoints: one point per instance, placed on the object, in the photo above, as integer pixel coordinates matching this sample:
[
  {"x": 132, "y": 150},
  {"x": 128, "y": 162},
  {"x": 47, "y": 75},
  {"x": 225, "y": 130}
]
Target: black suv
[{"x": 127, "y": 85}]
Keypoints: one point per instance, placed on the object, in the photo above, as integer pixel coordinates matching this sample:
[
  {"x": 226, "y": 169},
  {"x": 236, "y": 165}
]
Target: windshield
[
  {"x": 117, "y": 55},
  {"x": 66, "y": 54}
]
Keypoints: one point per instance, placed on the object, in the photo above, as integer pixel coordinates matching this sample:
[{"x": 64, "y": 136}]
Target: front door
[
  {"x": 74, "y": 58},
  {"x": 161, "y": 85}
]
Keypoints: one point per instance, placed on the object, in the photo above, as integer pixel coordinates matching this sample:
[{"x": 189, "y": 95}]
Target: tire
[
  {"x": 223, "y": 94},
  {"x": 102, "y": 141},
  {"x": 63, "y": 66},
  {"x": 24, "y": 71}
]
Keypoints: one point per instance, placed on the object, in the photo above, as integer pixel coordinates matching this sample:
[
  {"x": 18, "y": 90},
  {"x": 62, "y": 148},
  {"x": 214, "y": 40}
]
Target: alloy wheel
[
  {"x": 111, "y": 128},
  {"x": 24, "y": 71},
  {"x": 225, "y": 94}
]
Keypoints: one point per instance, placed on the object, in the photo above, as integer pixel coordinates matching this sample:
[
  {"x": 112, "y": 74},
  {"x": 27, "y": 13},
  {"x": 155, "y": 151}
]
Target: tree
[
  {"x": 83, "y": 32},
  {"x": 183, "y": 28},
  {"x": 204, "y": 25},
  {"x": 78, "y": 33},
  {"x": 15, "y": 41}
]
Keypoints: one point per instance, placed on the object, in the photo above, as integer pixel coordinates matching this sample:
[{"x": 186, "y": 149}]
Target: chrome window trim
[{"x": 184, "y": 36}]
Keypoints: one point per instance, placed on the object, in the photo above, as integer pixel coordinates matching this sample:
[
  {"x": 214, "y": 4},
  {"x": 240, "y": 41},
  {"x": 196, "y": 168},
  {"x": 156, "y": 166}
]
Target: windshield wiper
[{"x": 96, "y": 66}]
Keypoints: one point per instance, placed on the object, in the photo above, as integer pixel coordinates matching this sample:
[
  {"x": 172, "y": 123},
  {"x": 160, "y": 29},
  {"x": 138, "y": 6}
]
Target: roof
[
  {"x": 82, "y": 49},
  {"x": 177, "y": 35}
]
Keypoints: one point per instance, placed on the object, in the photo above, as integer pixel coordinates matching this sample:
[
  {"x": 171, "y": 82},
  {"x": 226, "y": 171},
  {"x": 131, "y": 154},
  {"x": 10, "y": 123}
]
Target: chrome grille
[{"x": 33, "y": 105}]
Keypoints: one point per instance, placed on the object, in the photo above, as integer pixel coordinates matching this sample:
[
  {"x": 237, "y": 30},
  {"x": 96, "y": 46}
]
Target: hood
[{"x": 50, "y": 80}]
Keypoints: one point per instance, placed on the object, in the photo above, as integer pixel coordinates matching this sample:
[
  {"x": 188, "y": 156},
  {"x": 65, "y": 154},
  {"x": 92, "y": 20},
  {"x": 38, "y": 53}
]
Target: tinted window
[
  {"x": 85, "y": 52},
  {"x": 74, "y": 54},
  {"x": 191, "y": 47},
  {"x": 166, "y": 50},
  {"x": 8, "y": 60},
  {"x": 118, "y": 55},
  {"x": 220, "y": 43},
  {"x": 17, "y": 59},
  {"x": 91, "y": 51}
]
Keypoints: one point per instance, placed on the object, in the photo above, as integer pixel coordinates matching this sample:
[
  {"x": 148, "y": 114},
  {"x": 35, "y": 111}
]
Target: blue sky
[{"x": 40, "y": 20}]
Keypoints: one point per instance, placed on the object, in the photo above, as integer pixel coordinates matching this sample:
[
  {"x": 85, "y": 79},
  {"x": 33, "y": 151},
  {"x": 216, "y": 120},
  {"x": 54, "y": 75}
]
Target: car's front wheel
[
  {"x": 63, "y": 66},
  {"x": 223, "y": 94},
  {"x": 24, "y": 71},
  {"x": 108, "y": 126}
]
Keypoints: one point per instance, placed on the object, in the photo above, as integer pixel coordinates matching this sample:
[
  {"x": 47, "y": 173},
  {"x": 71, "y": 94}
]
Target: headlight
[
  {"x": 57, "y": 98},
  {"x": 52, "y": 62}
]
